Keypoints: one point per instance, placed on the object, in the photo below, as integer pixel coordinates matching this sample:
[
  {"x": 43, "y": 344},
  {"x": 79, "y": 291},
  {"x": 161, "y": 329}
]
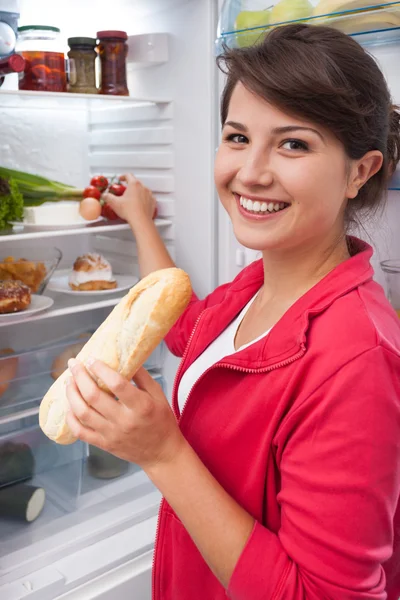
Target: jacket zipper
[
  {"x": 174, "y": 389},
  {"x": 283, "y": 363}
]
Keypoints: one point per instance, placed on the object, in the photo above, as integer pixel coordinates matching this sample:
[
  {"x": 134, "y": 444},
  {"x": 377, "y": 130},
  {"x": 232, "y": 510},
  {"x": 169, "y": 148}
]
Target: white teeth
[{"x": 257, "y": 206}]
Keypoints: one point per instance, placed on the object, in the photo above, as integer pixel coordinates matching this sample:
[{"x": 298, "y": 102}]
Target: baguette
[{"x": 123, "y": 341}]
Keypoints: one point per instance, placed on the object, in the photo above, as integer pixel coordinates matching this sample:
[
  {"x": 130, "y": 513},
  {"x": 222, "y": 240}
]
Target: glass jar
[
  {"x": 44, "y": 59},
  {"x": 82, "y": 65},
  {"x": 391, "y": 268},
  {"x": 113, "y": 50}
]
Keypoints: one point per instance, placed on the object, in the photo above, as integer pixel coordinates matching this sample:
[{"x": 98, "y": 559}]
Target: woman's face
[{"x": 282, "y": 180}]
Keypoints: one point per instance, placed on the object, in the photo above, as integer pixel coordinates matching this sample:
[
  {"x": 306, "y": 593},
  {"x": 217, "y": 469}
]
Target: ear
[{"x": 362, "y": 170}]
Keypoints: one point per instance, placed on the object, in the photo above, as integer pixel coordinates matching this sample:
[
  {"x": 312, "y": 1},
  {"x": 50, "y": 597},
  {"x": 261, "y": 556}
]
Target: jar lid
[
  {"x": 38, "y": 28},
  {"x": 122, "y": 35},
  {"x": 82, "y": 41}
]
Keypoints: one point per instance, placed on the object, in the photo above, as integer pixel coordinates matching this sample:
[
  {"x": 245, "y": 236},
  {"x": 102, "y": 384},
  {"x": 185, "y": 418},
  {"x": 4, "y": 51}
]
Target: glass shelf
[{"x": 244, "y": 23}]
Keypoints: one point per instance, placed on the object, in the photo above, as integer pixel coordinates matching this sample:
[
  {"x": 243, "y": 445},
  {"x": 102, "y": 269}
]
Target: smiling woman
[{"x": 281, "y": 468}]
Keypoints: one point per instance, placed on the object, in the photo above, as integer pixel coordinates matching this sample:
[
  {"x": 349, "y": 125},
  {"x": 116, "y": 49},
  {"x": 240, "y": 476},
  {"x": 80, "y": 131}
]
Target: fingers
[
  {"x": 128, "y": 178},
  {"x": 146, "y": 383},
  {"x": 94, "y": 398},
  {"x": 120, "y": 387},
  {"x": 82, "y": 414}
]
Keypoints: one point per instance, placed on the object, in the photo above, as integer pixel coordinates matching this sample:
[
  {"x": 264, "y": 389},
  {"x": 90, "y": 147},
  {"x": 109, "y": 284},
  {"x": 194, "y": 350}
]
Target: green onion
[{"x": 36, "y": 190}]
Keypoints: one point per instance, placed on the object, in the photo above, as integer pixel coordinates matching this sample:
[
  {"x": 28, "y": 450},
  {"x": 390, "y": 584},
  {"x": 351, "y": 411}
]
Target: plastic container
[
  {"x": 391, "y": 268},
  {"x": 45, "y": 63},
  {"x": 82, "y": 65},
  {"x": 32, "y": 267},
  {"x": 246, "y": 22},
  {"x": 113, "y": 50}
]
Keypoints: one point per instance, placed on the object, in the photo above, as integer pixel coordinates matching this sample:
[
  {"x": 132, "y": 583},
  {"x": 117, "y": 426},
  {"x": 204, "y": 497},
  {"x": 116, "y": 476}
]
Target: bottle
[
  {"x": 82, "y": 65},
  {"x": 44, "y": 59},
  {"x": 113, "y": 50}
]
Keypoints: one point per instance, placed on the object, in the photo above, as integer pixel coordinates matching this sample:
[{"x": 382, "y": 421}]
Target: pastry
[
  {"x": 30, "y": 272},
  {"x": 91, "y": 272},
  {"x": 8, "y": 368},
  {"x": 14, "y": 296},
  {"x": 124, "y": 340}
]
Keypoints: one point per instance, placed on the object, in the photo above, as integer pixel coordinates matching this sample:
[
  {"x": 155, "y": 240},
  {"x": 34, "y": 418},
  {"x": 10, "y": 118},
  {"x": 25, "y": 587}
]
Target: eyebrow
[{"x": 276, "y": 130}]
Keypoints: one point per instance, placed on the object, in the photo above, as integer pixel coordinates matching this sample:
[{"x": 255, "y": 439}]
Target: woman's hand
[
  {"x": 136, "y": 204},
  {"x": 139, "y": 427}
]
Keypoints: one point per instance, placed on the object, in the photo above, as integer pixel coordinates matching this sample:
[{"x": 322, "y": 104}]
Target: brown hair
[{"x": 326, "y": 77}]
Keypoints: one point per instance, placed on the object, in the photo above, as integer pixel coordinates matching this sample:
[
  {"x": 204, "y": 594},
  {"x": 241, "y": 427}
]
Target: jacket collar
[{"x": 288, "y": 337}]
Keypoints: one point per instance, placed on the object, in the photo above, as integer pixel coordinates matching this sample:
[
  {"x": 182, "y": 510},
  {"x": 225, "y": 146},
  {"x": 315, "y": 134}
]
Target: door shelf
[{"x": 18, "y": 233}]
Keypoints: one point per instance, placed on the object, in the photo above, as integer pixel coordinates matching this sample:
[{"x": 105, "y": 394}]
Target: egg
[{"x": 90, "y": 209}]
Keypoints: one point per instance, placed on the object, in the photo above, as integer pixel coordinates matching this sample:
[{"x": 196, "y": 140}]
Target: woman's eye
[
  {"x": 294, "y": 145},
  {"x": 237, "y": 138}
]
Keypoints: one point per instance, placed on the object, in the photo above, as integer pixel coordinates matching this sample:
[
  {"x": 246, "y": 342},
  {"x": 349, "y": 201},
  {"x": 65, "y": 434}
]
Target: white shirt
[{"x": 223, "y": 345}]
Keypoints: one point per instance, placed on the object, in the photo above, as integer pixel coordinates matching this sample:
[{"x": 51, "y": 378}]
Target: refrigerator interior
[{"x": 95, "y": 523}]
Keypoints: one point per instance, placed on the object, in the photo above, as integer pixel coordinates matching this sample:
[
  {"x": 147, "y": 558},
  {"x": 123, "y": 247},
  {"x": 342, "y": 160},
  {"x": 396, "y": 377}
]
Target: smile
[{"x": 256, "y": 206}]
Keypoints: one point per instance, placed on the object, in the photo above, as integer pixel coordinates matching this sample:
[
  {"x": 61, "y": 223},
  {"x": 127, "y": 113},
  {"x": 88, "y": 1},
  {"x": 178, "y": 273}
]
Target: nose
[{"x": 255, "y": 170}]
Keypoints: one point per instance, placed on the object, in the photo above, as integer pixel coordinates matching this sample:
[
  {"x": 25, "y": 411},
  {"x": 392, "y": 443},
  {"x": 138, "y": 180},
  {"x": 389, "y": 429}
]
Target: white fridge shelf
[
  {"x": 38, "y": 235},
  {"x": 46, "y": 100},
  {"x": 64, "y": 305}
]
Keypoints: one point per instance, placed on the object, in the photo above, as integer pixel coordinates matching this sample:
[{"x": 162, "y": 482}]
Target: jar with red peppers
[
  {"x": 44, "y": 59},
  {"x": 113, "y": 50}
]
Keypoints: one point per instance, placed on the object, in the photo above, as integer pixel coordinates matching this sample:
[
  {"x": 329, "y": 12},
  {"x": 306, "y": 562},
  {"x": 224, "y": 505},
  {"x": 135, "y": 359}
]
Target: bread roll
[
  {"x": 124, "y": 340},
  {"x": 8, "y": 368}
]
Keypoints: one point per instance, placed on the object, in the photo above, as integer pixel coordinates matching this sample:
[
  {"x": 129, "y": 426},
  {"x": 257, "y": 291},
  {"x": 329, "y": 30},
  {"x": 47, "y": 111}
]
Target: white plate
[
  {"x": 50, "y": 227},
  {"x": 38, "y": 304},
  {"x": 59, "y": 283}
]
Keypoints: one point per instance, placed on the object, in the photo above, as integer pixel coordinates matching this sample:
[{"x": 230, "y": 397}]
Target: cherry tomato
[
  {"x": 92, "y": 192},
  {"x": 100, "y": 182},
  {"x": 90, "y": 209},
  {"x": 155, "y": 213},
  {"x": 108, "y": 213},
  {"x": 117, "y": 189}
]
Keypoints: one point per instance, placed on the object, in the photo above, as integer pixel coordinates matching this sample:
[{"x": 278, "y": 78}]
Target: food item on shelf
[
  {"x": 81, "y": 61},
  {"x": 91, "y": 272},
  {"x": 90, "y": 208},
  {"x": 22, "y": 501},
  {"x": 31, "y": 273},
  {"x": 367, "y": 16},
  {"x": 117, "y": 189},
  {"x": 11, "y": 202},
  {"x": 287, "y": 10},
  {"x": 44, "y": 59},
  {"x": 124, "y": 341},
  {"x": 8, "y": 368},
  {"x": 60, "y": 363},
  {"x": 325, "y": 7},
  {"x": 17, "y": 463},
  {"x": 49, "y": 213},
  {"x": 100, "y": 182},
  {"x": 92, "y": 192},
  {"x": 113, "y": 50},
  {"x": 248, "y": 19},
  {"x": 14, "y": 297},
  {"x": 103, "y": 465},
  {"x": 37, "y": 190}
]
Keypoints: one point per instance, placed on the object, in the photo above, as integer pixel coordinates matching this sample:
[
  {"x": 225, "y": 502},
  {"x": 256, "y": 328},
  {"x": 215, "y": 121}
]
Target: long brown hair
[{"x": 326, "y": 77}]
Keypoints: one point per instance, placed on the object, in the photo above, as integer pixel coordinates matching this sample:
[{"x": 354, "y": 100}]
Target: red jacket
[{"x": 303, "y": 430}]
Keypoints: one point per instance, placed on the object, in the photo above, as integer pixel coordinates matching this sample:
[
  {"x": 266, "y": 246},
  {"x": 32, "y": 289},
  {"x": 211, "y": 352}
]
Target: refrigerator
[{"x": 94, "y": 538}]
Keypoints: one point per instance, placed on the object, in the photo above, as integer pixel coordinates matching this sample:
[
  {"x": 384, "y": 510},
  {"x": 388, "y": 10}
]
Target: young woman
[{"x": 281, "y": 466}]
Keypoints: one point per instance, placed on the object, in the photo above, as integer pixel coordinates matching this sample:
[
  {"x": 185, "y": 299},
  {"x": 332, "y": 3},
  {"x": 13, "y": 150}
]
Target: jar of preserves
[
  {"x": 44, "y": 59},
  {"x": 113, "y": 50},
  {"x": 82, "y": 65},
  {"x": 391, "y": 268}
]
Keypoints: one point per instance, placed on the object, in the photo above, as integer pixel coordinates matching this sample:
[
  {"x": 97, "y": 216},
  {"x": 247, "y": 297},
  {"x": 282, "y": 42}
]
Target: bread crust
[{"x": 124, "y": 340}]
